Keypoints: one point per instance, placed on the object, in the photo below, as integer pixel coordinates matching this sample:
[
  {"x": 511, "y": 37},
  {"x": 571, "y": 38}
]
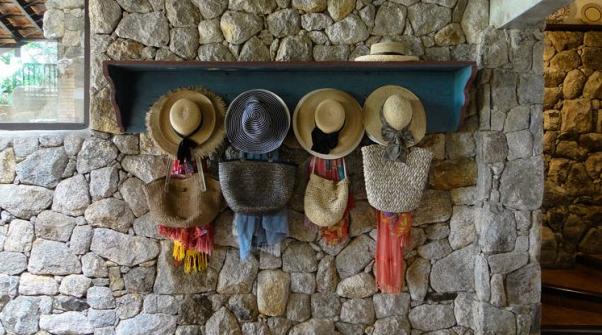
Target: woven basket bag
[
  {"x": 395, "y": 186},
  {"x": 325, "y": 200},
  {"x": 257, "y": 187},
  {"x": 181, "y": 204}
]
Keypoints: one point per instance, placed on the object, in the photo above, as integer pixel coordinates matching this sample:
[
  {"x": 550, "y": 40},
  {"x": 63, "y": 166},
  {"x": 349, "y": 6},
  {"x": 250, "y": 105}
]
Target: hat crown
[
  {"x": 397, "y": 111},
  {"x": 330, "y": 116},
  {"x": 256, "y": 120},
  {"x": 185, "y": 116}
]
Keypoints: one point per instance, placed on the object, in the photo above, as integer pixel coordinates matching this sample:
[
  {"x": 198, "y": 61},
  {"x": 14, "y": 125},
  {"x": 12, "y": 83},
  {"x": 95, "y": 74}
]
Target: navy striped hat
[{"x": 257, "y": 121}]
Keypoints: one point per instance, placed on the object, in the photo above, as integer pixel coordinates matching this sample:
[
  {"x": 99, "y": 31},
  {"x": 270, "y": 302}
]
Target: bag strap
[
  {"x": 201, "y": 172},
  {"x": 344, "y": 169},
  {"x": 170, "y": 162},
  {"x": 269, "y": 157},
  {"x": 313, "y": 163}
]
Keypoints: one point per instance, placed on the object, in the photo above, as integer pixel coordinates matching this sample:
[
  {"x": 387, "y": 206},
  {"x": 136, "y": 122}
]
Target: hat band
[
  {"x": 186, "y": 145},
  {"x": 398, "y": 141},
  {"x": 322, "y": 142},
  {"x": 388, "y": 53}
]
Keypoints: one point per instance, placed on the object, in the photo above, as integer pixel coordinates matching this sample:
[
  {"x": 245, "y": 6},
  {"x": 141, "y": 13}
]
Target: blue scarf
[{"x": 260, "y": 231}]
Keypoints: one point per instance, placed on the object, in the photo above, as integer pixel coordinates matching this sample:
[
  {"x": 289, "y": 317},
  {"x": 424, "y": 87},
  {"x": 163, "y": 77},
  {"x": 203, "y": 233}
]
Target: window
[{"x": 42, "y": 66}]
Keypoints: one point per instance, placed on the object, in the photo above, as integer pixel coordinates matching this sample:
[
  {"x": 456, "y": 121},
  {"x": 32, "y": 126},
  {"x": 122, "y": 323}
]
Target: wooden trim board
[{"x": 442, "y": 86}]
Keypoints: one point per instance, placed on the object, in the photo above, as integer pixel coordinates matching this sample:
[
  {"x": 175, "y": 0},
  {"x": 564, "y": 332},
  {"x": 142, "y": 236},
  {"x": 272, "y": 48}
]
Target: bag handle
[
  {"x": 313, "y": 163},
  {"x": 200, "y": 171},
  {"x": 170, "y": 162},
  {"x": 271, "y": 156},
  {"x": 345, "y": 177}
]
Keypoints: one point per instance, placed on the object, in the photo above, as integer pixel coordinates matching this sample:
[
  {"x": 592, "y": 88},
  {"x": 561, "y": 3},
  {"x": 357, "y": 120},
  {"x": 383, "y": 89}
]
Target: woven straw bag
[
  {"x": 395, "y": 186},
  {"x": 180, "y": 203},
  {"x": 257, "y": 187},
  {"x": 325, "y": 200}
]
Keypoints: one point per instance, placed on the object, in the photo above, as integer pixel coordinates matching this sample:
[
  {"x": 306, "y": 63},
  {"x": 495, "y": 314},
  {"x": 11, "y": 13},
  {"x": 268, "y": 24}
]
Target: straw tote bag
[
  {"x": 180, "y": 203},
  {"x": 257, "y": 187},
  {"x": 325, "y": 200},
  {"x": 393, "y": 186}
]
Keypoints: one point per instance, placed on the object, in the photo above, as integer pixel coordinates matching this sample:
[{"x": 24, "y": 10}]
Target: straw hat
[
  {"x": 331, "y": 111},
  {"x": 257, "y": 121},
  {"x": 387, "y": 52},
  {"x": 193, "y": 113},
  {"x": 400, "y": 108}
]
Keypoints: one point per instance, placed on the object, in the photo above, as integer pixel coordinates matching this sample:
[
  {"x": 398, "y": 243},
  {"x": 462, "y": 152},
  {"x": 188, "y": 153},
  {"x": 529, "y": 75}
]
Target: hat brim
[
  {"x": 281, "y": 121},
  {"x": 208, "y": 137},
  {"x": 386, "y": 58},
  {"x": 374, "y": 104},
  {"x": 350, "y": 135}
]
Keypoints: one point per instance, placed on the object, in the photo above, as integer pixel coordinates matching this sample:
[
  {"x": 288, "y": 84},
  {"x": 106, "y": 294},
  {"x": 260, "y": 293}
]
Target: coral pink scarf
[{"x": 393, "y": 235}]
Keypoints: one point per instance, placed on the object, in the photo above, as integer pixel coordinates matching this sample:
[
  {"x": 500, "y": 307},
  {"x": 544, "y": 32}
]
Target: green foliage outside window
[{"x": 34, "y": 65}]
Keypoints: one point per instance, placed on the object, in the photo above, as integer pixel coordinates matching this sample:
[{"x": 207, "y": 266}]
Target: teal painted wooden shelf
[{"x": 442, "y": 86}]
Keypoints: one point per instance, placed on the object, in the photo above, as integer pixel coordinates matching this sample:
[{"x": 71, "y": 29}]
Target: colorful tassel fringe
[
  {"x": 393, "y": 235},
  {"x": 337, "y": 233},
  {"x": 192, "y": 246},
  {"x": 193, "y": 260}
]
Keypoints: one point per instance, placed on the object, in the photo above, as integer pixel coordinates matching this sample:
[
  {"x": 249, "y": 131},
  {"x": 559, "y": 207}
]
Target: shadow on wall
[
  {"x": 572, "y": 146},
  {"x": 83, "y": 255}
]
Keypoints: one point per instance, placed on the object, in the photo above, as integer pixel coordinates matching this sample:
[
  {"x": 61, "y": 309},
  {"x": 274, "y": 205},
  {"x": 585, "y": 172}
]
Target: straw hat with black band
[
  {"x": 387, "y": 52},
  {"x": 187, "y": 121},
  {"x": 328, "y": 123},
  {"x": 257, "y": 121}
]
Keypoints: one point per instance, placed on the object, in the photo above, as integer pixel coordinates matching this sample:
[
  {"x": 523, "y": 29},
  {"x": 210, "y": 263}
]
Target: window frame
[{"x": 52, "y": 126}]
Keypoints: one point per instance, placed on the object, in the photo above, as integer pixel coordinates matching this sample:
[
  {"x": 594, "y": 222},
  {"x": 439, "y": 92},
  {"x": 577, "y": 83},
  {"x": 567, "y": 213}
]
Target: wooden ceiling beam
[
  {"x": 28, "y": 14},
  {"x": 5, "y": 28},
  {"x": 21, "y": 19},
  {"x": 4, "y": 20}
]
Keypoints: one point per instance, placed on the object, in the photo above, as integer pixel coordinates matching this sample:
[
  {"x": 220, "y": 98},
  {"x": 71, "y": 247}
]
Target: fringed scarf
[
  {"x": 191, "y": 246},
  {"x": 393, "y": 235},
  {"x": 261, "y": 232},
  {"x": 332, "y": 170}
]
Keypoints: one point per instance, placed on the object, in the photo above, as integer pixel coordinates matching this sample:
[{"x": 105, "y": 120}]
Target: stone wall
[
  {"x": 79, "y": 253},
  {"x": 572, "y": 146}
]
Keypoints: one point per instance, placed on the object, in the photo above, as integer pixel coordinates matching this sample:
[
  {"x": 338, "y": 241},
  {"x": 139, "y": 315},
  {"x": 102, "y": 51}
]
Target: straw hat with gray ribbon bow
[{"x": 393, "y": 114}]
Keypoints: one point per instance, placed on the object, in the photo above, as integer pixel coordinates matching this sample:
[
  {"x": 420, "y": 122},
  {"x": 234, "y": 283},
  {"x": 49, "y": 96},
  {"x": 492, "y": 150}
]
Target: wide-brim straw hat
[
  {"x": 386, "y": 52},
  {"x": 257, "y": 121},
  {"x": 374, "y": 104},
  {"x": 350, "y": 135},
  {"x": 208, "y": 136}
]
